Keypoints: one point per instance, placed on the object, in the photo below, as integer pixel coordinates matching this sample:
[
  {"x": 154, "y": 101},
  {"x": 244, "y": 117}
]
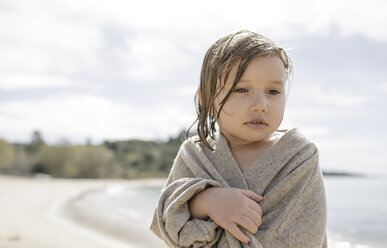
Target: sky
[{"x": 116, "y": 70}]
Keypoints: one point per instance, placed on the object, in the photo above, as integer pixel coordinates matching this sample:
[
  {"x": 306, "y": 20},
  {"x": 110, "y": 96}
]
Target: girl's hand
[{"x": 229, "y": 208}]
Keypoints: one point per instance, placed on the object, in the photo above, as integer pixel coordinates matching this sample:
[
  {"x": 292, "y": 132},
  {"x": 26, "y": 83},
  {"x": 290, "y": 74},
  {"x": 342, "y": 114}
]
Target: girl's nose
[{"x": 258, "y": 103}]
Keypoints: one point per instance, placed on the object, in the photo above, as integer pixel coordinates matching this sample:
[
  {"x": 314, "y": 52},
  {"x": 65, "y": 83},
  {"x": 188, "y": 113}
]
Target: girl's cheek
[{"x": 232, "y": 106}]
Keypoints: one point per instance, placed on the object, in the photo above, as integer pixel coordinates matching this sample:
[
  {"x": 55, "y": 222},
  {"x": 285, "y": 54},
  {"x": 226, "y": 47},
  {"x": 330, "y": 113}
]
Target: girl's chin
[{"x": 247, "y": 139}]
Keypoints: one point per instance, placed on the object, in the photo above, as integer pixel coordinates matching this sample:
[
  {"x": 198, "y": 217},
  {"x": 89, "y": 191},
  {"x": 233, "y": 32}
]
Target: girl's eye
[
  {"x": 241, "y": 90},
  {"x": 273, "y": 92}
]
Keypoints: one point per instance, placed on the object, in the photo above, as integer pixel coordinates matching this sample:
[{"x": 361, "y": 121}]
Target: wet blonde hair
[{"x": 238, "y": 49}]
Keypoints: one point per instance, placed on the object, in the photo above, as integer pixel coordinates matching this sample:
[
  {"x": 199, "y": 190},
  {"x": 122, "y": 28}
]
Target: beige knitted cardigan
[{"x": 287, "y": 175}]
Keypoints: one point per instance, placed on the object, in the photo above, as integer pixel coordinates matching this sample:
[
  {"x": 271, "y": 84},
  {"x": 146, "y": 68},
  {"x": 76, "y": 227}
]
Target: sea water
[{"x": 357, "y": 209}]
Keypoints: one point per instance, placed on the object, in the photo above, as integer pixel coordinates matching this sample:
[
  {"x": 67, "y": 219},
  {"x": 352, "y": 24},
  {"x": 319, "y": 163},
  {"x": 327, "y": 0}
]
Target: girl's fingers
[
  {"x": 236, "y": 232},
  {"x": 253, "y": 196},
  {"x": 255, "y": 207},
  {"x": 247, "y": 224},
  {"x": 254, "y": 216}
]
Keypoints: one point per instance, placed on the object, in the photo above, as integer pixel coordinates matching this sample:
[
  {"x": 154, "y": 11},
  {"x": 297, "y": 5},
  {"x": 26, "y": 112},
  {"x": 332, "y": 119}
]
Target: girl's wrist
[{"x": 197, "y": 205}]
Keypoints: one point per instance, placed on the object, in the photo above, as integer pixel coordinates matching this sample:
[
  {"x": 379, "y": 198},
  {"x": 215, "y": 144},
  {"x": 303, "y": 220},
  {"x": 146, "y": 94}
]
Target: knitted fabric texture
[{"x": 287, "y": 175}]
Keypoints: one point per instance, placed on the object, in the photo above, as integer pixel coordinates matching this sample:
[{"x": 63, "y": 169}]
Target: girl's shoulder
[
  {"x": 277, "y": 135},
  {"x": 194, "y": 141},
  {"x": 293, "y": 134},
  {"x": 191, "y": 141}
]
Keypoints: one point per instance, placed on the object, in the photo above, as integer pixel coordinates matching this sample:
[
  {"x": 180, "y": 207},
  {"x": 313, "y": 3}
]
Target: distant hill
[{"x": 341, "y": 174}]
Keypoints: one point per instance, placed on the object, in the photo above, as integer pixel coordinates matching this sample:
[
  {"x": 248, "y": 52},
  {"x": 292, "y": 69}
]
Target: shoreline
[
  {"x": 106, "y": 219},
  {"x": 32, "y": 213}
]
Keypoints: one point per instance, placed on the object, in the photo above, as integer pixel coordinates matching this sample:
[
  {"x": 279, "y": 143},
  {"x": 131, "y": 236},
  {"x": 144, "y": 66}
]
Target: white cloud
[
  {"x": 383, "y": 87},
  {"x": 23, "y": 59},
  {"x": 25, "y": 81},
  {"x": 47, "y": 30},
  {"x": 187, "y": 90},
  {"x": 36, "y": 40},
  {"x": 341, "y": 97},
  {"x": 317, "y": 17},
  {"x": 32, "y": 81},
  {"x": 77, "y": 116},
  {"x": 331, "y": 96},
  {"x": 315, "y": 131},
  {"x": 153, "y": 57}
]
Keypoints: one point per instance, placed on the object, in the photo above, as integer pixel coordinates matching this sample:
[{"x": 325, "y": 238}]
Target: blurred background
[{"x": 104, "y": 89}]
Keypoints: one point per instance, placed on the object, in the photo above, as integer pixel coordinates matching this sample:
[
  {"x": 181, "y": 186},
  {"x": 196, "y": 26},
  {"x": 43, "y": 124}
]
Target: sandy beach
[{"x": 32, "y": 215}]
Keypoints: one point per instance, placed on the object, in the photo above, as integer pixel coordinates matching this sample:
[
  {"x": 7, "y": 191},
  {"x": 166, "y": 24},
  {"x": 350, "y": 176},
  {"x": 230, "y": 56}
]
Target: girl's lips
[
  {"x": 258, "y": 120},
  {"x": 256, "y": 125}
]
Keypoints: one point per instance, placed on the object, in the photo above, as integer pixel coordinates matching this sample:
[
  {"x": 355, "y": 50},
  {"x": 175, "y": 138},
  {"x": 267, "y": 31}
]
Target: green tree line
[{"x": 111, "y": 159}]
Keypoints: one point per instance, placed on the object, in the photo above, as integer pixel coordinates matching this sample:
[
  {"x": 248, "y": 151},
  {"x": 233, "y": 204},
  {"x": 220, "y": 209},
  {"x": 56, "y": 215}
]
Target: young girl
[{"x": 250, "y": 184}]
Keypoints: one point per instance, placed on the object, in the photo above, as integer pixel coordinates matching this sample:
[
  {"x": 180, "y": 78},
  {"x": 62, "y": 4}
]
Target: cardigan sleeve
[{"x": 172, "y": 221}]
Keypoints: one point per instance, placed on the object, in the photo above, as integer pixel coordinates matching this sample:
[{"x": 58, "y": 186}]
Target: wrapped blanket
[{"x": 287, "y": 175}]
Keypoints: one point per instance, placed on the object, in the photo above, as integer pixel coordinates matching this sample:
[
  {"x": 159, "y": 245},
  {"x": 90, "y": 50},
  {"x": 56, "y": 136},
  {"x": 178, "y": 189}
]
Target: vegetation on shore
[{"x": 111, "y": 159}]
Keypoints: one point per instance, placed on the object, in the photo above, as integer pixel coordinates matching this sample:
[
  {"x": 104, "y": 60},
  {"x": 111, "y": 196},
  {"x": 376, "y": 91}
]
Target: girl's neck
[{"x": 245, "y": 155}]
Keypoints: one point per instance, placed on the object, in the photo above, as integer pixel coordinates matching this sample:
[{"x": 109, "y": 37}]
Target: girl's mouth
[{"x": 256, "y": 124}]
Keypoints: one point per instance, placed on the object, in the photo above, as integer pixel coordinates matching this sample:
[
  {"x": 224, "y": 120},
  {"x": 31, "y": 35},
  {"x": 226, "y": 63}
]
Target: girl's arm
[{"x": 172, "y": 221}]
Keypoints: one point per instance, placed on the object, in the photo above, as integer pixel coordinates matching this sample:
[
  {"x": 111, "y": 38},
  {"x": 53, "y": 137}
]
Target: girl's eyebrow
[{"x": 281, "y": 82}]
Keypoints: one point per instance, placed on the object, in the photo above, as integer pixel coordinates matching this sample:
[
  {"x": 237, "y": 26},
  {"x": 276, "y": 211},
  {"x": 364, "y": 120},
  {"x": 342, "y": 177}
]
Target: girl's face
[{"x": 255, "y": 108}]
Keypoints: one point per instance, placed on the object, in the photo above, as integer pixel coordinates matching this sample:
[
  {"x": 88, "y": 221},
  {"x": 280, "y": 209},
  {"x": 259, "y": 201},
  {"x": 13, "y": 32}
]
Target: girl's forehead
[{"x": 268, "y": 68}]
